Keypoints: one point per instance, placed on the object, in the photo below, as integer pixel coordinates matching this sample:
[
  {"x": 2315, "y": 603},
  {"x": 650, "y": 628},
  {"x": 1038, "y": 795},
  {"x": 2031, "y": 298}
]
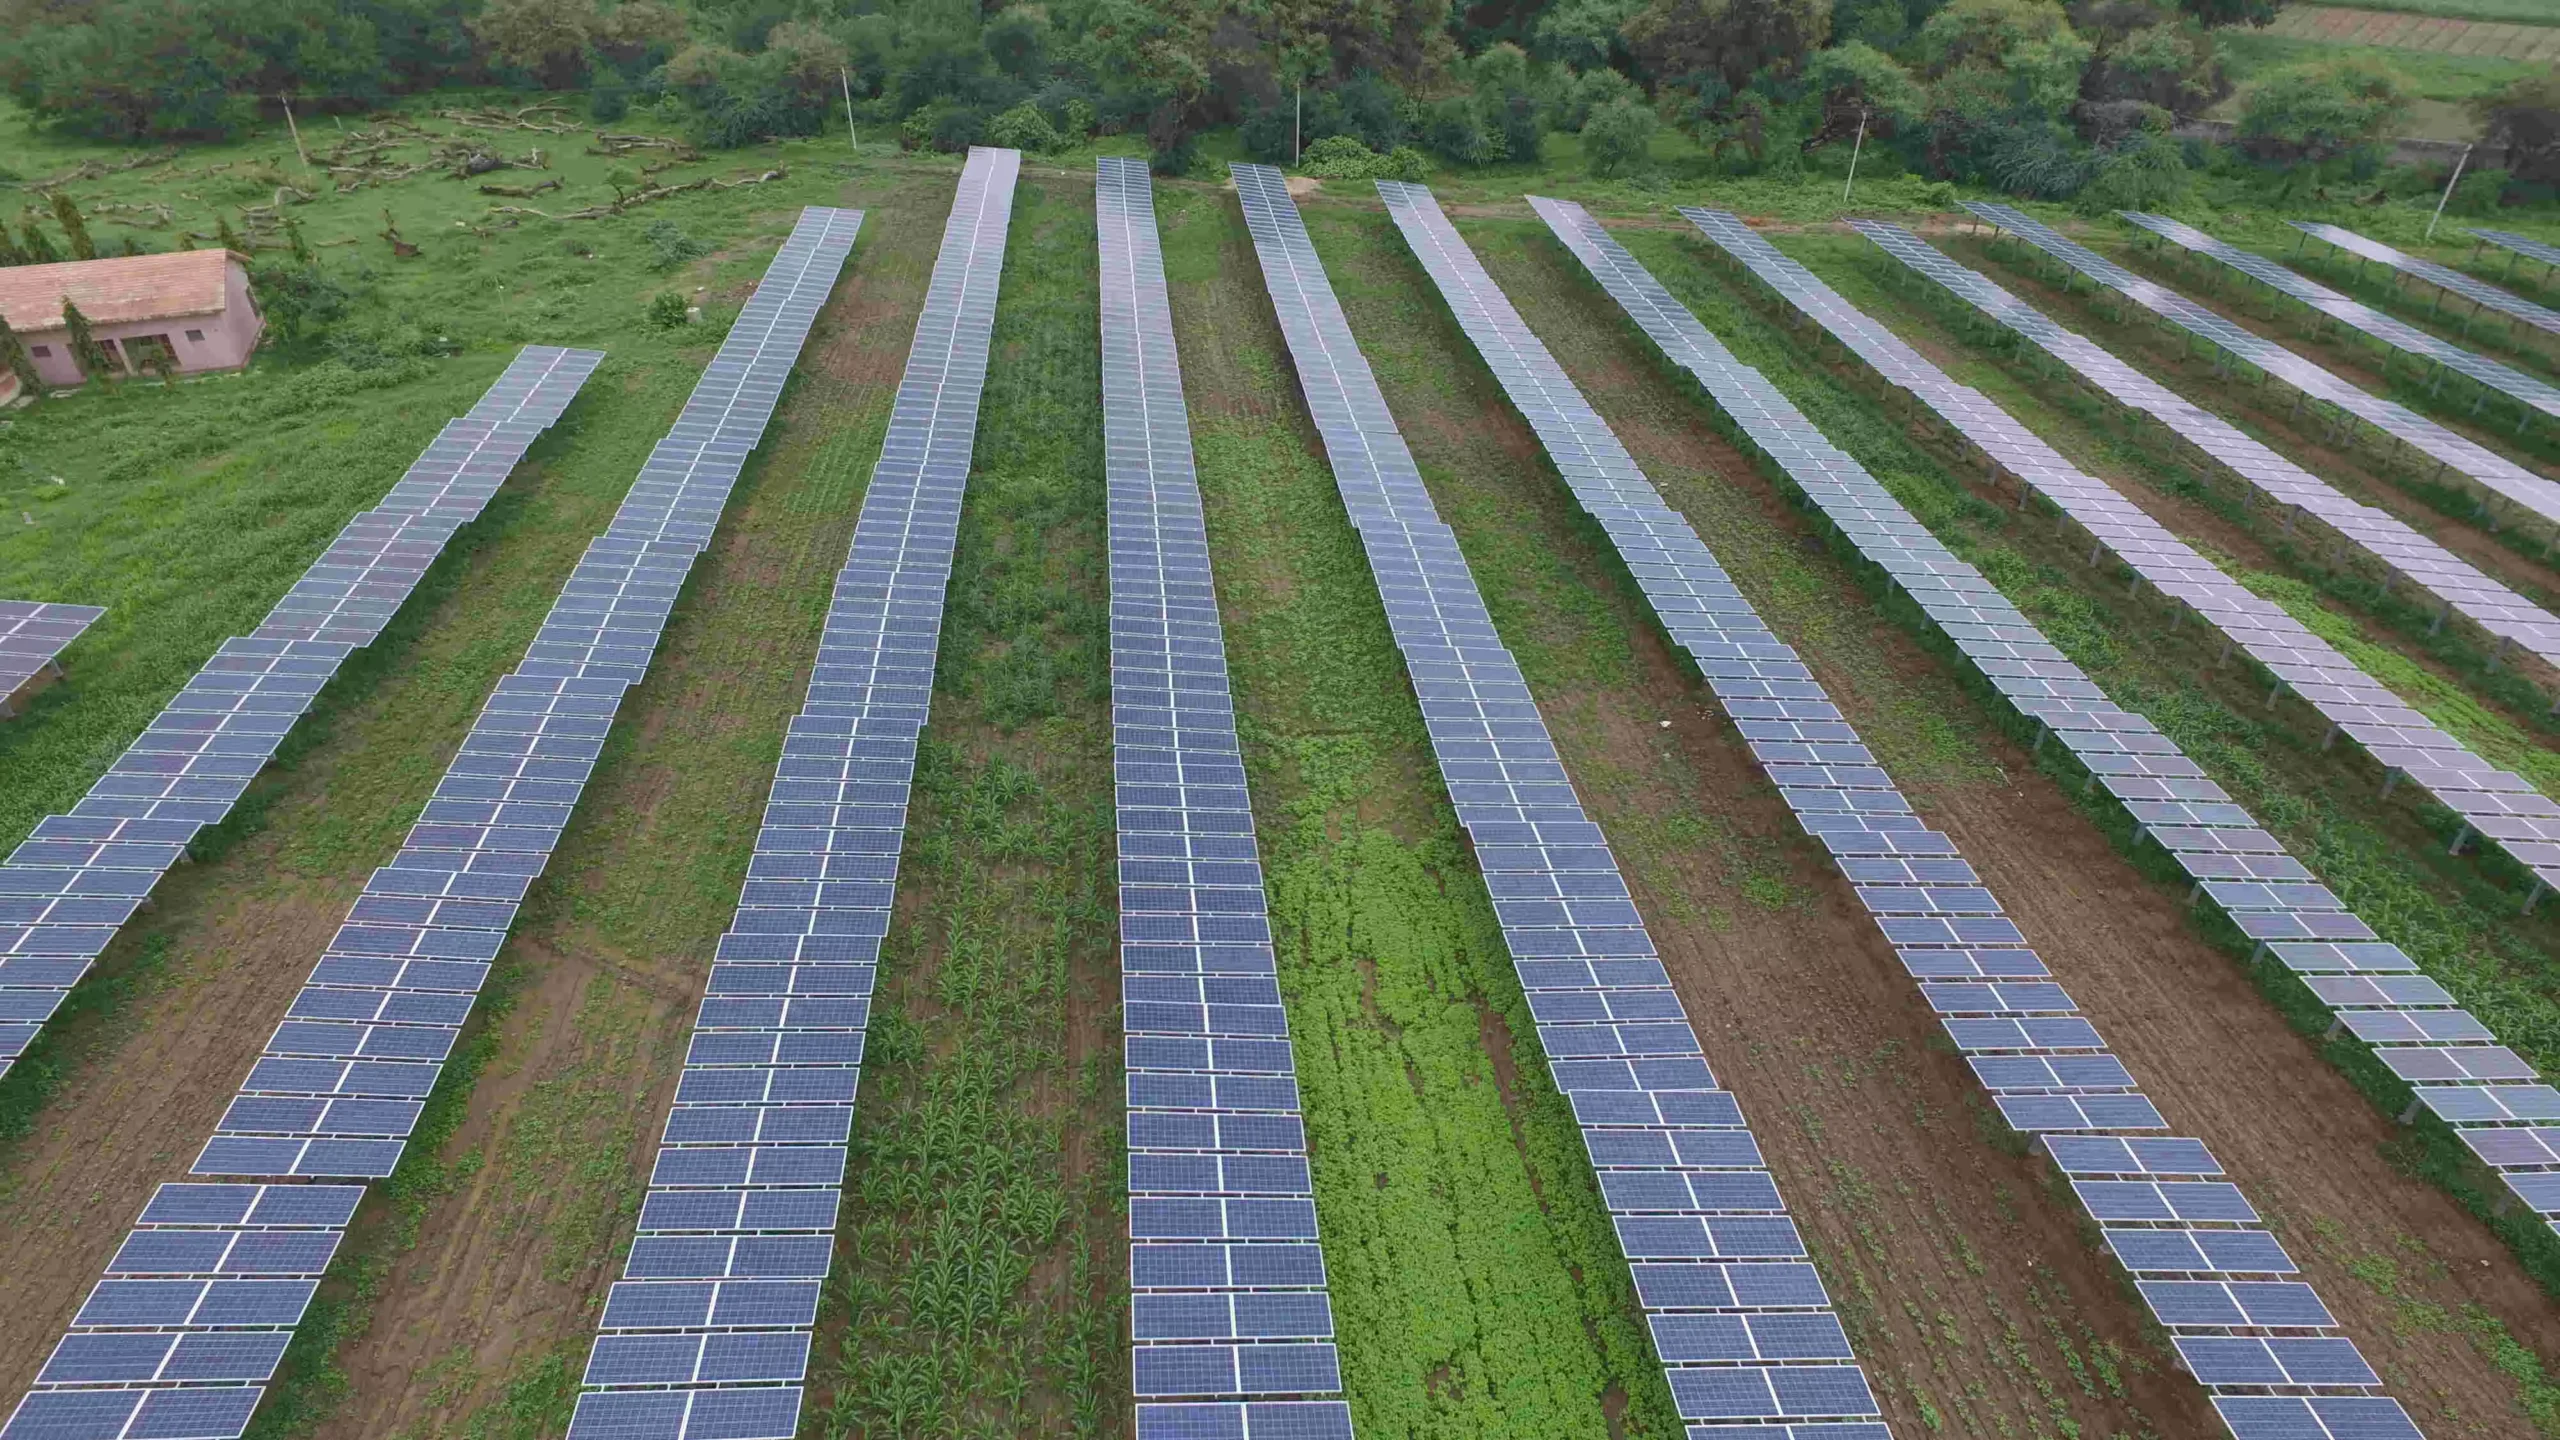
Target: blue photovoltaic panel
[
  {"x": 1685, "y": 1186},
  {"x": 2173, "y": 1215},
  {"x": 2447, "y": 280},
  {"x": 2530, "y": 395},
  {"x": 2520, "y": 245},
  {"x": 2411, "y": 1021},
  {"x": 708, "y": 1329},
  {"x": 1201, "y": 990},
  {"x": 2445, "y": 452},
  {"x": 2459, "y": 587},
  {"x": 79, "y": 876},
  {"x": 32, "y": 636},
  {"x": 336, "y": 1092}
]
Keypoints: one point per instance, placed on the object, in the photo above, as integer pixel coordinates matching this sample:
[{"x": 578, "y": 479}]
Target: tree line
[{"x": 2030, "y": 96}]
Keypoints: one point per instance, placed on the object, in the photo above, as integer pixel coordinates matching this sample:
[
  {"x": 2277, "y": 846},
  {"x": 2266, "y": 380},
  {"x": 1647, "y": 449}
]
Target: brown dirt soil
[
  {"x": 1808, "y": 1015},
  {"x": 508, "y": 1268}
]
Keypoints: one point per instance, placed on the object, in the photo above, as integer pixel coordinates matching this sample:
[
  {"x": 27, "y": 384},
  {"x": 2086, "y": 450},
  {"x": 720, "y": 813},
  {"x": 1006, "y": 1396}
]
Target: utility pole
[
  {"x": 846, "y": 81},
  {"x": 1859, "y": 145},
  {"x": 1298, "y": 124},
  {"x": 2448, "y": 191},
  {"x": 287, "y": 102}
]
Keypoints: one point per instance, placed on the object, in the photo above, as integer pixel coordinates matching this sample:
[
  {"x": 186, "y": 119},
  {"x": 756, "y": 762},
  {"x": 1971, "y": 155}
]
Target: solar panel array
[
  {"x": 1231, "y": 1325},
  {"x": 2446, "y": 279},
  {"x": 2452, "y": 454},
  {"x": 2459, "y": 586},
  {"x": 33, "y": 634},
  {"x": 706, "y": 1336},
  {"x": 2499, "y": 804},
  {"x": 180, "y": 1338},
  {"x": 2400, "y": 335},
  {"x": 2456, "y": 1065},
  {"x": 2259, "y": 1339},
  {"x": 78, "y": 877},
  {"x": 1745, "y": 1329},
  {"x": 2524, "y": 245}
]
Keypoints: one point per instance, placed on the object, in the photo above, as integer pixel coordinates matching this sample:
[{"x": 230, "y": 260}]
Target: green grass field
[{"x": 979, "y": 1283}]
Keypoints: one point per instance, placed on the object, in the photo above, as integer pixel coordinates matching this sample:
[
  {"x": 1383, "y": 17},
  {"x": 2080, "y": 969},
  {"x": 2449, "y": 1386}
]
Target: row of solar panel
[
  {"x": 2459, "y": 587},
  {"x": 2524, "y": 246},
  {"x": 2447, "y": 280},
  {"x": 2452, "y": 455},
  {"x": 2162, "y": 1203},
  {"x": 1678, "y": 1169},
  {"x": 66, "y": 890},
  {"x": 33, "y": 634},
  {"x": 2530, "y": 395},
  {"x": 309, "y": 1106},
  {"x": 1229, "y": 1304},
  {"x": 737, "y": 1229},
  {"x": 2412, "y": 1022}
]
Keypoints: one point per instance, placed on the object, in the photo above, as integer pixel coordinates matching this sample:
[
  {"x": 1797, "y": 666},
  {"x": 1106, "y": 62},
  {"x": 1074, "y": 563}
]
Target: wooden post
[
  {"x": 287, "y": 102},
  {"x": 846, "y": 80}
]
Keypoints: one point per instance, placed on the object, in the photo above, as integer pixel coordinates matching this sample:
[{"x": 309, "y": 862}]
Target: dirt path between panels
[
  {"x": 487, "y": 1300},
  {"x": 1830, "y": 1026}
]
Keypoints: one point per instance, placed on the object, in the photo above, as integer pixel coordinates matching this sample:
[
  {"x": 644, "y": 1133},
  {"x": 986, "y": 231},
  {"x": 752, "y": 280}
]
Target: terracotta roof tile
[{"x": 128, "y": 288}]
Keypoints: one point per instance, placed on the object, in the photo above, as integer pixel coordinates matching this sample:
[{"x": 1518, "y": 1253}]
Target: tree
[
  {"x": 2307, "y": 116},
  {"x": 2232, "y": 12},
  {"x": 1857, "y": 84},
  {"x": 2002, "y": 77},
  {"x": 14, "y": 357},
  {"x": 86, "y": 352},
  {"x": 1685, "y": 42},
  {"x": 1583, "y": 33},
  {"x": 1617, "y": 137},
  {"x": 34, "y": 243},
  {"x": 75, "y": 226},
  {"x": 2523, "y": 119},
  {"x": 547, "y": 39}
]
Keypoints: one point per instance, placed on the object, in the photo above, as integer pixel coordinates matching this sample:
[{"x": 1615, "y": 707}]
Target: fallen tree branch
[{"x": 523, "y": 192}]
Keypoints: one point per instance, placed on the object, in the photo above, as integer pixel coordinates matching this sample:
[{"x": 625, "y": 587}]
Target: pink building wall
[{"x": 201, "y": 342}]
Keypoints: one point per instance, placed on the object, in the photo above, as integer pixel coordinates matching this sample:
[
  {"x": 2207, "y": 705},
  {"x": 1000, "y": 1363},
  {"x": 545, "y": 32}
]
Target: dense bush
[
  {"x": 1341, "y": 157},
  {"x": 2308, "y": 117},
  {"x": 2520, "y": 124},
  {"x": 1617, "y": 138}
]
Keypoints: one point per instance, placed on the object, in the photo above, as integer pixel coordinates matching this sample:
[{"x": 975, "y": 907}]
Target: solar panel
[
  {"x": 2447, "y": 280},
  {"x": 81, "y": 875},
  {"x": 2412, "y": 1022},
  {"x": 2530, "y": 395},
  {"x": 336, "y": 1091},
  {"x": 2519, "y": 246},
  {"x": 737, "y": 1229},
  {"x": 2443, "y": 453},
  {"x": 33, "y": 634},
  {"x": 2459, "y": 587},
  {"x": 2170, "y": 1211},
  {"x": 1616, "y": 1039},
  {"x": 1181, "y": 782}
]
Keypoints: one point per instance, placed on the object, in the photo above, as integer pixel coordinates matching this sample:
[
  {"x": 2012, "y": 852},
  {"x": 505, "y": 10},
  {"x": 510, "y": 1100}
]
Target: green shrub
[
  {"x": 670, "y": 247},
  {"x": 1618, "y": 137},
  {"x": 1024, "y": 128},
  {"x": 667, "y": 309},
  {"x": 2307, "y": 116}
]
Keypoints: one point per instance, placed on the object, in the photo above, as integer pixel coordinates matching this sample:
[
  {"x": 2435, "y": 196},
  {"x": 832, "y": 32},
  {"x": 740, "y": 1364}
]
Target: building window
[
  {"x": 195, "y": 336},
  {"x": 42, "y": 352}
]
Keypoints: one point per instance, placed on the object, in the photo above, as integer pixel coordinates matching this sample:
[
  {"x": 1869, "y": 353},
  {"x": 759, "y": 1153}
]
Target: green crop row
[{"x": 980, "y": 1265}]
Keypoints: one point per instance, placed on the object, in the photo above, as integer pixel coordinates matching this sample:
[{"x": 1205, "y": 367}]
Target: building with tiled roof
[{"x": 192, "y": 305}]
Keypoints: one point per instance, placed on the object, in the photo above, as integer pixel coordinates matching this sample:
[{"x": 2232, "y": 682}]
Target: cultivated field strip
[
  {"x": 1744, "y": 1326},
  {"x": 2458, "y": 586},
  {"x": 2499, "y": 804},
  {"x": 2449, "y": 1058},
  {"x": 2446, "y": 279},
  {"x": 2209, "y": 1271},
  {"x": 707, "y": 1333},
  {"x": 2494, "y": 474},
  {"x": 79, "y": 877},
  {"x": 180, "y": 1338},
  {"x": 2520, "y": 245},
  {"x": 33, "y": 635},
  {"x": 1231, "y": 1325},
  {"x": 2528, "y": 393}
]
